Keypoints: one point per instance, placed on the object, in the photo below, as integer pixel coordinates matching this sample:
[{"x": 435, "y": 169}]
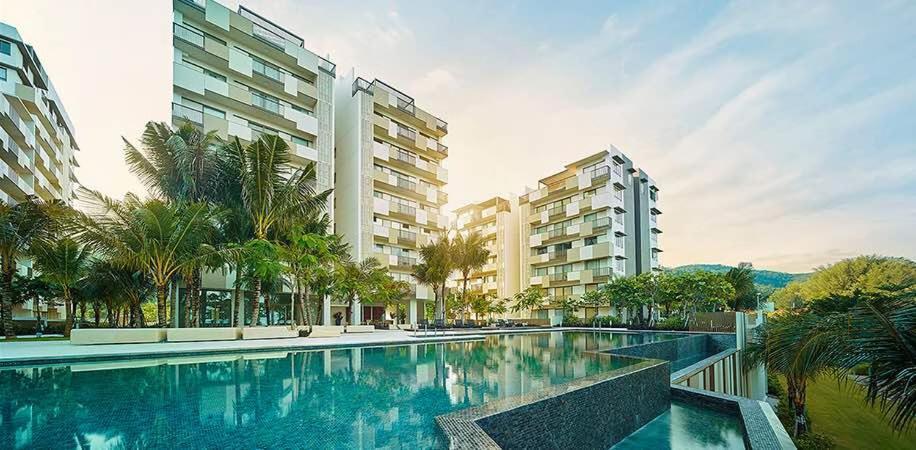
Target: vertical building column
[
  {"x": 326, "y": 311},
  {"x": 356, "y": 313},
  {"x": 412, "y": 312}
]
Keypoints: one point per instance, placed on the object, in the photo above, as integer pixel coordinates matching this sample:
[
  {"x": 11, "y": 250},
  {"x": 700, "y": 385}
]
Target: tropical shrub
[{"x": 671, "y": 323}]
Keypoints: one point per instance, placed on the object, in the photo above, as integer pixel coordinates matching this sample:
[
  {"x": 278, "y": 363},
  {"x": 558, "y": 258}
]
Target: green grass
[
  {"x": 53, "y": 338},
  {"x": 839, "y": 411}
]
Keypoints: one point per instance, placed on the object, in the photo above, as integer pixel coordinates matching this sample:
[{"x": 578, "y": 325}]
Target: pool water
[
  {"x": 687, "y": 426},
  {"x": 373, "y": 397}
]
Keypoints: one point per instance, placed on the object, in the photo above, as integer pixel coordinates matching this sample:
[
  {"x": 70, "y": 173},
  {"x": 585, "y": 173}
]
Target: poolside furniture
[
  {"x": 322, "y": 331},
  {"x": 203, "y": 334},
  {"x": 406, "y": 326},
  {"x": 360, "y": 328},
  {"x": 269, "y": 332},
  {"x": 117, "y": 336}
]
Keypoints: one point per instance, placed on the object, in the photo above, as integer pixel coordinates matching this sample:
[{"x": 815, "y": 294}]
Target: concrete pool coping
[{"x": 18, "y": 354}]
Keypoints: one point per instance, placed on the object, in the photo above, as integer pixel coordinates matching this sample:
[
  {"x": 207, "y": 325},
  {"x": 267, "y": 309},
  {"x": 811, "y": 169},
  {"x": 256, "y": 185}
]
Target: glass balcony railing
[
  {"x": 442, "y": 148},
  {"x": 599, "y": 172},
  {"x": 327, "y": 66},
  {"x": 404, "y": 183},
  {"x": 555, "y": 233},
  {"x": 554, "y": 277},
  {"x": 442, "y": 125},
  {"x": 188, "y": 35},
  {"x": 601, "y": 223},
  {"x": 405, "y": 157},
  {"x": 187, "y": 113},
  {"x": 266, "y": 70},
  {"x": 266, "y": 103},
  {"x": 405, "y": 209},
  {"x": 406, "y": 261},
  {"x": 601, "y": 272},
  {"x": 407, "y": 133},
  {"x": 407, "y": 235},
  {"x": 556, "y": 210}
]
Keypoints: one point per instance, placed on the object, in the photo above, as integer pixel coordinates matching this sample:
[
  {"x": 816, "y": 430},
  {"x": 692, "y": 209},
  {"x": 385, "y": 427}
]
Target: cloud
[{"x": 434, "y": 81}]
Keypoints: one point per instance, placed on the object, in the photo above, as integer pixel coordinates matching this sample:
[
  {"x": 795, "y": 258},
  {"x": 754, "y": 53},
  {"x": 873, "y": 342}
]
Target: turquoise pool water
[
  {"x": 382, "y": 397},
  {"x": 687, "y": 426}
]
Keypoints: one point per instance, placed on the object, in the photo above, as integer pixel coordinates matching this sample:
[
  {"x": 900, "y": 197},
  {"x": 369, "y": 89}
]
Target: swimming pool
[
  {"x": 687, "y": 426},
  {"x": 373, "y": 397}
]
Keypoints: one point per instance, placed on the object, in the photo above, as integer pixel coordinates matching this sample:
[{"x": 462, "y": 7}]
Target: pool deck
[{"x": 19, "y": 353}]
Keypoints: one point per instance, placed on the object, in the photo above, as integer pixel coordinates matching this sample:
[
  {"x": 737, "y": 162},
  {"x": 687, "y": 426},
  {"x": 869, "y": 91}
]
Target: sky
[{"x": 779, "y": 133}]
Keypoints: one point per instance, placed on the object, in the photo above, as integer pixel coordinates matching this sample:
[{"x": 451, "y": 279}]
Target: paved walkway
[{"x": 59, "y": 352}]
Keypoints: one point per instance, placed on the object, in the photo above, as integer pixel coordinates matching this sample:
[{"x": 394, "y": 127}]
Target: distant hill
[{"x": 761, "y": 277}]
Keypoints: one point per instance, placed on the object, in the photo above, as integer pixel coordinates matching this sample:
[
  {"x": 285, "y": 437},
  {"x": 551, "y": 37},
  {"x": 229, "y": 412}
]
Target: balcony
[
  {"x": 190, "y": 114},
  {"x": 408, "y": 236},
  {"x": 406, "y": 262},
  {"x": 442, "y": 148},
  {"x": 555, "y": 233},
  {"x": 441, "y": 125},
  {"x": 188, "y": 35},
  {"x": 556, "y": 277},
  {"x": 404, "y": 183},
  {"x": 599, "y": 173},
  {"x": 556, "y": 210},
  {"x": 601, "y": 272},
  {"x": 558, "y": 254},
  {"x": 601, "y": 223},
  {"x": 404, "y": 209},
  {"x": 407, "y": 133}
]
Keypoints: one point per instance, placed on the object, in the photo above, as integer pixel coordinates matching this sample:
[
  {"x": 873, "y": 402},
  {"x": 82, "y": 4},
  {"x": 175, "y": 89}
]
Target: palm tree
[
  {"x": 119, "y": 287},
  {"x": 800, "y": 346},
  {"x": 360, "y": 280},
  {"x": 273, "y": 195},
  {"x": 176, "y": 165},
  {"x": 64, "y": 263},
  {"x": 435, "y": 270},
  {"x": 22, "y": 224},
  {"x": 468, "y": 255},
  {"x": 159, "y": 238},
  {"x": 742, "y": 279},
  {"x": 881, "y": 332}
]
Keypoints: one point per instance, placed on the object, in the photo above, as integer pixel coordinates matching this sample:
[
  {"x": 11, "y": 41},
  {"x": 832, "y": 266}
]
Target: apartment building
[
  {"x": 242, "y": 75},
  {"x": 37, "y": 147},
  {"x": 390, "y": 183},
  {"x": 579, "y": 228},
  {"x": 496, "y": 219}
]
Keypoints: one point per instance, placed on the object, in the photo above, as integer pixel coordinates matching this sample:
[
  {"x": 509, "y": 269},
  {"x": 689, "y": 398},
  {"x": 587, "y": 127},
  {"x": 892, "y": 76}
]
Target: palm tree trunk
[
  {"x": 196, "y": 311},
  {"x": 6, "y": 306},
  {"x": 161, "y": 296},
  {"x": 186, "y": 311},
  {"x": 303, "y": 299},
  {"x": 267, "y": 308},
  {"x": 68, "y": 324},
  {"x": 255, "y": 303},
  {"x": 796, "y": 393},
  {"x": 97, "y": 313},
  {"x": 239, "y": 303},
  {"x": 464, "y": 290}
]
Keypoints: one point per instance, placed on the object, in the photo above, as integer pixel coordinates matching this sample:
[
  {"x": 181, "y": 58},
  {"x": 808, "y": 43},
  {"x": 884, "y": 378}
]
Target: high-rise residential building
[
  {"x": 578, "y": 229},
  {"x": 496, "y": 220},
  {"x": 37, "y": 146},
  {"x": 645, "y": 194},
  {"x": 243, "y": 75},
  {"x": 390, "y": 183}
]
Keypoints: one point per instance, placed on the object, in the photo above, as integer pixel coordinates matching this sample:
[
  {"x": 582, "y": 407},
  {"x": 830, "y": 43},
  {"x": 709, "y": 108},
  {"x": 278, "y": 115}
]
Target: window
[
  {"x": 618, "y": 241},
  {"x": 618, "y": 193},
  {"x": 653, "y": 194},
  {"x": 591, "y": 240},
  {"x": 265, "y": 68},
  {"x": 563, "y": 247},
  {"x": 264, "y": 101},
  {"x": 5, "y": 47},
  {"x": 3, "y": 73},
  {"x": 301, "y": 141},
  {"x": 214, "y": 112}
]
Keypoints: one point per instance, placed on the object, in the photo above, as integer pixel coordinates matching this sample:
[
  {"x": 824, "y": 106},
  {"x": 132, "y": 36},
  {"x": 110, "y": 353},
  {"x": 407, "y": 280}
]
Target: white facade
[
  {"x": 37, "y": 145},
  {"x": 390, "y": 182}
]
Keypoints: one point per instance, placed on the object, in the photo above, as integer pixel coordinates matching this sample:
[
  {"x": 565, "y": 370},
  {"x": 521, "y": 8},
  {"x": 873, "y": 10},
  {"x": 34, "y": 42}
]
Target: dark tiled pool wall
[
  {"x": 682, "y": 348},
  {"x": 597, "y": 416}
]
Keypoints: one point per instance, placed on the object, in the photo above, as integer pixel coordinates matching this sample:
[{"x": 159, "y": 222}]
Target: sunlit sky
[{"x": 780, "y": 133}]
